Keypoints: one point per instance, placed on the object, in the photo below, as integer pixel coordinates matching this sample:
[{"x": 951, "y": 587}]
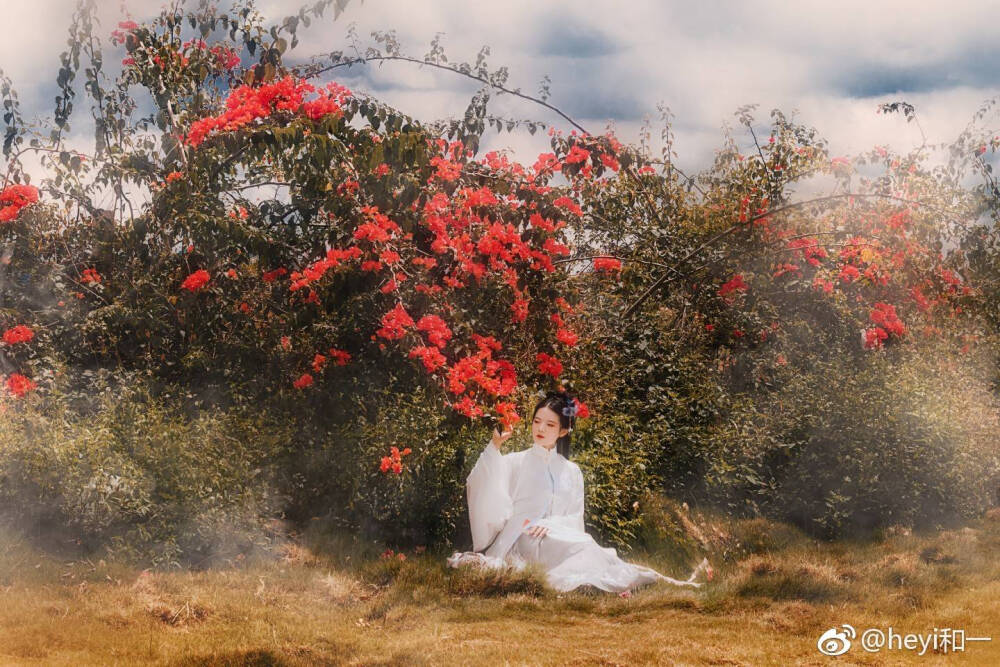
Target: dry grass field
[{"x": 327, "y": 602}]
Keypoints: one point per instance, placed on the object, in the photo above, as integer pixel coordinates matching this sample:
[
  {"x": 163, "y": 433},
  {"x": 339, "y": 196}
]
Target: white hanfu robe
[{"x": 508, "y": 493}]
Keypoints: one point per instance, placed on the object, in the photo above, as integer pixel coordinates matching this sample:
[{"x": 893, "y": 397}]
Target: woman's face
[{"x": 545, "y": 428}]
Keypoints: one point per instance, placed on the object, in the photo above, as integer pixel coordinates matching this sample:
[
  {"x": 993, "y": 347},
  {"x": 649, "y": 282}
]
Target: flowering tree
[{"x": 274, "y": 233}]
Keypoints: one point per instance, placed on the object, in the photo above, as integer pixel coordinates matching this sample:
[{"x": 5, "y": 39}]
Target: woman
[{"x": 527, "y": 507}]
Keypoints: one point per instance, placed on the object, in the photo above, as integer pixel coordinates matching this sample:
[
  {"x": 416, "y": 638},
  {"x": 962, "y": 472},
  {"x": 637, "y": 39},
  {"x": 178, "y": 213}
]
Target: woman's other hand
[
  {"x": 500, "y": 438},
  {"x": 538, "y": 531}
]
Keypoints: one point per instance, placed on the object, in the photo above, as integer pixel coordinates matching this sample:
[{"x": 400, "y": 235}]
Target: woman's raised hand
[{"x": 499, "y": 438}]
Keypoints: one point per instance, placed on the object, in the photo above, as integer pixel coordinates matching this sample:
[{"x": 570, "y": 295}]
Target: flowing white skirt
[{"x": 573, "y": 558}]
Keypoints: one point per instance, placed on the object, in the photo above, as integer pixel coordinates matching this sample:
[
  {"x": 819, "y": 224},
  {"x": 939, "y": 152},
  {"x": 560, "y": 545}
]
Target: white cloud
[{"x": 701, "y": 59}]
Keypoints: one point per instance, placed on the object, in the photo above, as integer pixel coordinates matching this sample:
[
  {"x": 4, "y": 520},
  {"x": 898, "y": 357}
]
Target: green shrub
[
  {"x": 138, "y": 475},
  {"x": 848, "y": 450},
  {"x": 614, "y": 454}
]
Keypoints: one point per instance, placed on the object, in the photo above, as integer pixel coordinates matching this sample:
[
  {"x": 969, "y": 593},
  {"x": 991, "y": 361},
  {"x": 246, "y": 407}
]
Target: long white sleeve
[
  {"x": 573, "y": 519},
  {"x": 490, "y": 504}
]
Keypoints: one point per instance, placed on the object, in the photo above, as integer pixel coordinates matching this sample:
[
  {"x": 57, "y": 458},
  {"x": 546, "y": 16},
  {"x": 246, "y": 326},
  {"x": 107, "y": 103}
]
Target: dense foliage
[{"x": 352, "y": 298}]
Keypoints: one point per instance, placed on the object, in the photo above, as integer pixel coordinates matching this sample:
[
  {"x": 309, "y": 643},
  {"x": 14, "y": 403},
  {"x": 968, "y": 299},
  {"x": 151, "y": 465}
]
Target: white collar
[{"x": 544, "y": 453}]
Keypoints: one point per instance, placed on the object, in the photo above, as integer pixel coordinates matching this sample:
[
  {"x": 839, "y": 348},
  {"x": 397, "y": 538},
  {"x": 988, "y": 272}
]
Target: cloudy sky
[{"x": 829, "y": 64}]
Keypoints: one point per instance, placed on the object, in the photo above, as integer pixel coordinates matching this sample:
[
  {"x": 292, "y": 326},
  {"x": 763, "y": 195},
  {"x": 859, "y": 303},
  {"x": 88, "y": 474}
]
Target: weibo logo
[{"x": 836, "y": 641}]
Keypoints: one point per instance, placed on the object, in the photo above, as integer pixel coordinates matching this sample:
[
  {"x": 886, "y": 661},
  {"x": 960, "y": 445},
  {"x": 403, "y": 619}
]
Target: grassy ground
[{"x": 774, "y": 593}]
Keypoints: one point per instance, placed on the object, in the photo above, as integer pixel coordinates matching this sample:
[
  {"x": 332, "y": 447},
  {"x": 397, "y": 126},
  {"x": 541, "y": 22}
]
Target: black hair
[{"x": 559, "y": 402}]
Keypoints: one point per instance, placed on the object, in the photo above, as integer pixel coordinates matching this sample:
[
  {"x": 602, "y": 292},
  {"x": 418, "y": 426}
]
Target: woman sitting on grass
[{"x": 527, "y": 507}]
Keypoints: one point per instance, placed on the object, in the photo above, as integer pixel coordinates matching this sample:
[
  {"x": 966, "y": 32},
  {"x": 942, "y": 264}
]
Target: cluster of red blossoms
[
  {"x": 340, "y": 357},
  {"x": 124, "y": 28},
  {"x": 548, "y": 364},
  {"x": 607, "y": 264},
  {"x": 225, "y": 57},
  {"x": 312, "y": 273},
  {"x": 811, "y": 250},
  {"x": 469, "y": 233},
  {"x": 247, "y": 104},
  {"x": 736, "y": 283},
  {"x": 14, "y": 198},
  {"x": 394, "y": 461},
  {"x": 18, "y": 384},
  {"x": 196, "y": 280},
  {"x": 18, "y": 334},
  {"x": 884, "y": 316},
  {"x": 90, "y": 276}
]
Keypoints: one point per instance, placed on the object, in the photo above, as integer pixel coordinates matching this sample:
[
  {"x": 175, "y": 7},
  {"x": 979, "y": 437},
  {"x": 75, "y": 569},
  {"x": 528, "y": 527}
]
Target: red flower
[
  {"x": 607, "y": 264},
  {"x": 812, "y": 251},
  {"x": 446, "y": 170},
  {"x": 508, "y": 414},
  {"x": 546, "y": 162},
  {"x": 548, "y": 364},
  {"x": 394, "y": 460},
  {"x": 468, "y": 407},
  {"x": 395, "y": 322},
  {"x": 921, "y": 300},
  {"x": 520, "y": 309},
  {"x": 304, "y": 381},
  {"x": 271, "y": 276},
  {"x": 432, "y": 358},
  {"x": 248, "y": 103},
  {"x": 340, "y": 356},
  {"x": 872, "y": 338},
  {"x": 610, "y": 161},
  {"x": 849, "y": 273},
  {"x": 824, "y": 285},
  {"x": 784, "y": 268},
  {"x": 566, "y": 336},
  {"x": 318, "y": 361},
  {"x": 438, "y": 332},
  {"x": 196, "y": 280},
  {"x": 19, "y": 385},
  {"x": 174, "y": 176},
  {"x": 577, "y": 154},
  {"x": 14, "y": 198},
  {"x": 553, "y": 247},
  {"x": 735, "y": 284},
  {"x": 18, "y": 334},
  {"x": 569, "y": 205},
  {"x": 90, "y": 276},
  {"x": 582, "y": 411},
  {"x": 884, "y": 315},
  {"x": 486, "y": 344}
]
